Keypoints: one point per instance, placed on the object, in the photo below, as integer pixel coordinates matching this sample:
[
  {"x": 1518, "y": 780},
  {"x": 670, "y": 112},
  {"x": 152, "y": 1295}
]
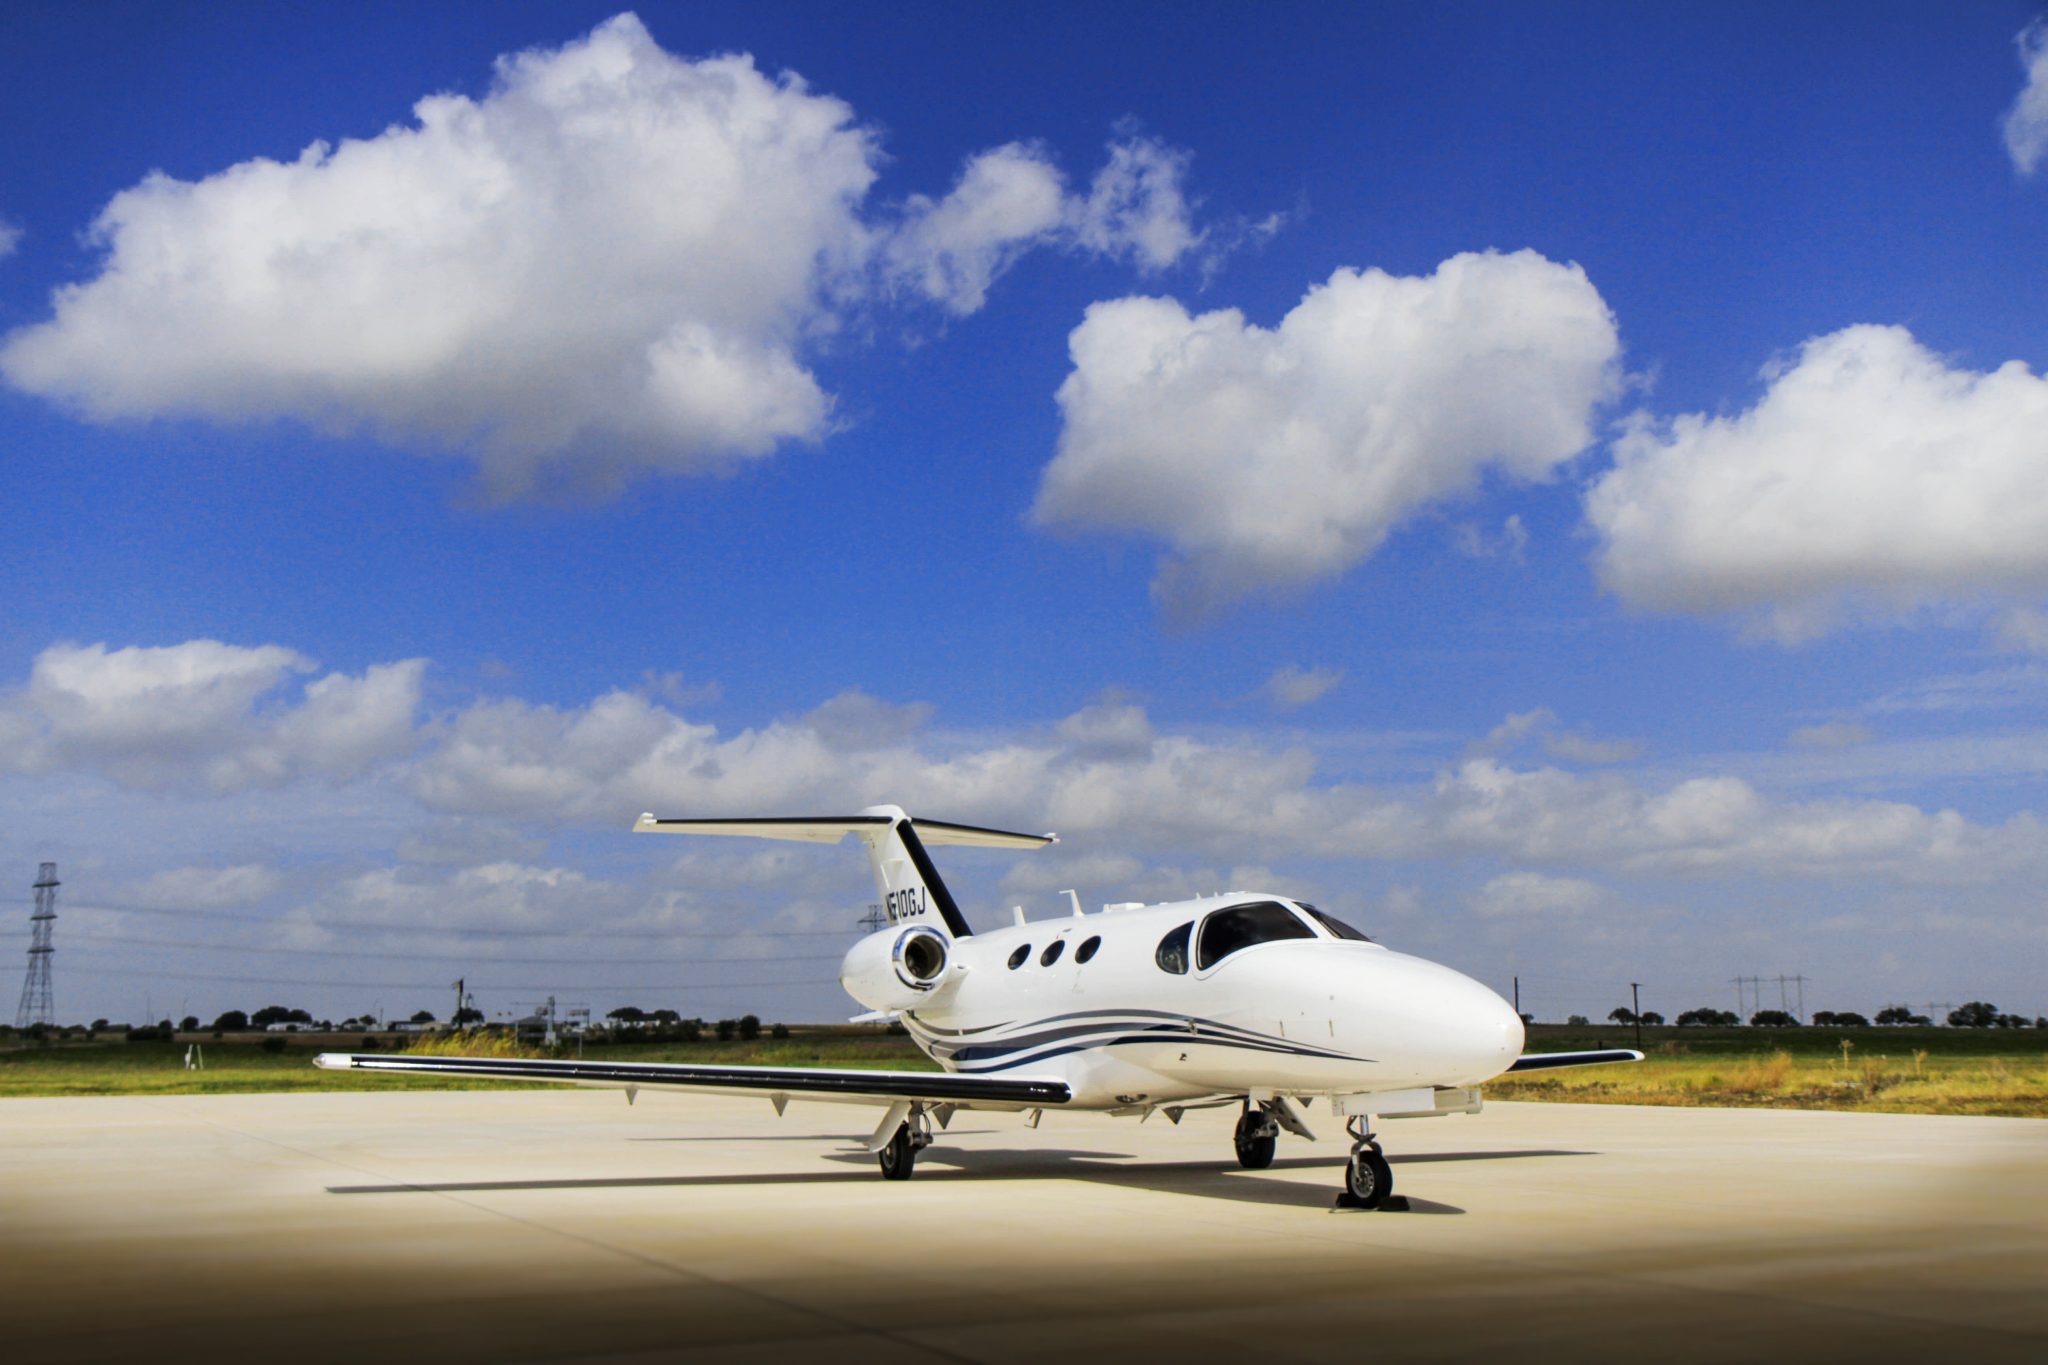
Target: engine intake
[
  {"x": 897, "y": 969},
  {"x": 920, "y": 958}
]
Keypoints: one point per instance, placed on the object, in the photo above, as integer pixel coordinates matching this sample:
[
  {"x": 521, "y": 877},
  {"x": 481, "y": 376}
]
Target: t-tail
[{"x": 910, "y": 887}]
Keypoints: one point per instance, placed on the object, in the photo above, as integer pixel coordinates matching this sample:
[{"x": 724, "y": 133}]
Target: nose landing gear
[{"x": 1368, "y": 1179}]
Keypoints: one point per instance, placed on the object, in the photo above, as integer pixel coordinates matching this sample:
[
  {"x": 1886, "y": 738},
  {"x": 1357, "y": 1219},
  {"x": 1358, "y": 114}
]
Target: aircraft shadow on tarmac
[
  {"x": 1206, "y": 1179},
  {"x": 790, "y": 1137}
]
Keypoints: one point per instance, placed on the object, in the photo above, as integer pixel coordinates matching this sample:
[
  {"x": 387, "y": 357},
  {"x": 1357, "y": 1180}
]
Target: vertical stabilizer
[{"x": 910, "y": 886}]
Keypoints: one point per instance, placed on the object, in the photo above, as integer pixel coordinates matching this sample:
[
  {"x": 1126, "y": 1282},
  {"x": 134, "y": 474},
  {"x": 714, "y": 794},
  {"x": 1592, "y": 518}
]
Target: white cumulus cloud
[
  {"x": 204, "y": 715},
  {"x": 10, "y": 238},
  {"x": 1014, "y": 198},
  {"x": 614, "y": 262},
  {"x": 2026, "y": 123},
  {"x": 210, "y": 716},
  {"x": 952, "y": 249},
  {"x": 1272, "y": 458},
  {"x": 1871, "y": 475},
  {"x": 1135, "y": 208},
  {"x": 610, "y": 258}
]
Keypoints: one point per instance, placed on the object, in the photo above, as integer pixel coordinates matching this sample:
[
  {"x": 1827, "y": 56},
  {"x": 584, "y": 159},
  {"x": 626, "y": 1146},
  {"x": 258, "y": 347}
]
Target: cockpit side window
[
  {"x": 1241, "y": 926},
  {"x": 1173, "y": 950},
  {"x": 1337, "y": 927}
]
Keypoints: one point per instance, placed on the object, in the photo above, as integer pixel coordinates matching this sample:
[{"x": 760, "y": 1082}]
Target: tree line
[
  {"x": 628, "y": 1023},
  {"x": 1975, "y": 1014},
  {"x": 632, "y": 1024}
]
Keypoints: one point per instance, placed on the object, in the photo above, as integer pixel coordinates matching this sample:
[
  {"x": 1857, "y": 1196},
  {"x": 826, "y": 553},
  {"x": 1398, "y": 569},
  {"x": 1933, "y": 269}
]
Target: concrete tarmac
[{"x": 559, "y": 1225}]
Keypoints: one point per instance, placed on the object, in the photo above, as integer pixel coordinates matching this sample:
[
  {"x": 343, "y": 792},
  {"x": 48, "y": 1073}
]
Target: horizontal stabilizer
[
  {"x": 830, "y": 829},
  {"x": 814, "y": 1083},
  {"x": 1546, "y": 1061}
]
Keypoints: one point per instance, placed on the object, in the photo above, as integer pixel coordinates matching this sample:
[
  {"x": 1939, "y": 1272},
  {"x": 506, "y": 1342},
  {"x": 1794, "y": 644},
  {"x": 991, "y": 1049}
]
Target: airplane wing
[
  {"x": 1545, "y": 1061},
  {"x": 779, "y": 1083}
]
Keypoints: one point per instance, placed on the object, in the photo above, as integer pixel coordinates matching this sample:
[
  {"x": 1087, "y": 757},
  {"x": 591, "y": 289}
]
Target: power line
[{"x": 464, "y": 954}]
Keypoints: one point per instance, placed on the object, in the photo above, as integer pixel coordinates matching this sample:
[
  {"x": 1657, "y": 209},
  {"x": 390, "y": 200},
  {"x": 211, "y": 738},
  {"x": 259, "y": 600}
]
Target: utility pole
[
  {"x": 1785, "y": 1001},
  {"x": 36, "y": 1007},
  {"x": 873, "y": 919},
  {"x": 1518, "y": 995},
  {"x": 456, "y": 1018},
  {"x": 1635, "y": 1005}
]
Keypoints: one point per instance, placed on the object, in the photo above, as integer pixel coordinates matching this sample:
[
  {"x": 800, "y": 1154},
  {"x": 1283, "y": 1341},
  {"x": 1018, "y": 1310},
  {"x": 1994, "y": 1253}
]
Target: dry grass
[
  {"x": 1761, "y": 1076},
  {"x": 1916, "y": 1083},
  {"x": 493, "y": 1043}
]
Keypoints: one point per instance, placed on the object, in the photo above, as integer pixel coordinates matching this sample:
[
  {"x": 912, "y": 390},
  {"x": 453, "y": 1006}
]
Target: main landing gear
[
  {"x": 1368, "y": 1180},
  {"x": 1258, "y": 1132},
  {"x": 898, "y": 1156}
]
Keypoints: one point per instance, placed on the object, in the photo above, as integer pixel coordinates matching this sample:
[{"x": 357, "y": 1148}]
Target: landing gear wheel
[
  {"x": 1256, "y": 1137},
  {"x": 1368, "y": 1179},
  {"x": 899, "y": 1158}
]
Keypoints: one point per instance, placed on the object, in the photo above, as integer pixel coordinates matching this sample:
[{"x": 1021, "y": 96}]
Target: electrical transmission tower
[{"x": 36, "y": 1007}]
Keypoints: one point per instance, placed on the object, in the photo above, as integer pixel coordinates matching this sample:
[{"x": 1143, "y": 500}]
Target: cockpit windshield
[
  {"x": 1337, "y": 927},
  {"x": 1242, "y": 926}
]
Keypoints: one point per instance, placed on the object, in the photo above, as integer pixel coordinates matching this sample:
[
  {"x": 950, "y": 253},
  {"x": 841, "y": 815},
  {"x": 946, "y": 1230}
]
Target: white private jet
[{"x": 1247, "y": 999}]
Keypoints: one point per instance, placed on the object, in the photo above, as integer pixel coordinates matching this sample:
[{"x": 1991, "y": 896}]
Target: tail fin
[{"x": 909, "y": 885}]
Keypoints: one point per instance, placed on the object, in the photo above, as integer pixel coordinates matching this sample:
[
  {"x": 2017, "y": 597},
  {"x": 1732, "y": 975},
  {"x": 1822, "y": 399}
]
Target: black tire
[
  {"x": 1254, "y": 1149},
  {"x": 1368, "y": 1179},
  {"x": 899, "y": 1158}
]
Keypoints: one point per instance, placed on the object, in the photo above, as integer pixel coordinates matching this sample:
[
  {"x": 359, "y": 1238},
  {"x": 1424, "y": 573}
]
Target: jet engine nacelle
[{"x": 897, "y": 969}]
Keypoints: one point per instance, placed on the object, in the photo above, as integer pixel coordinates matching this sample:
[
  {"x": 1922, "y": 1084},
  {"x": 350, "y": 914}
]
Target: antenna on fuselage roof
[{"x": 1075, "y": 898}]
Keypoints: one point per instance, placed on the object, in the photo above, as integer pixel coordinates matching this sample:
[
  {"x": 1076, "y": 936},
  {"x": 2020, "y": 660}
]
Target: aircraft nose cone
[
  {"x": 1491, "y": 1037},
  {"x": 1478, "y": 1035}
]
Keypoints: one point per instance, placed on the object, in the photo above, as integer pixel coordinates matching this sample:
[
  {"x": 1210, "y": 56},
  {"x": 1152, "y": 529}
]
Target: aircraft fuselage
[{"x": 1089, "y": 1000}]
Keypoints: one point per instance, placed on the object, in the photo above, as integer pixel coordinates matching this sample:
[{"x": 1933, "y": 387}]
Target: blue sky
[{"x": 1605, "y": 542}]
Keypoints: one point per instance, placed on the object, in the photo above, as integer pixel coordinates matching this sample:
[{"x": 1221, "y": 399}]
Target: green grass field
[{"x": 1919, "y": 1071}]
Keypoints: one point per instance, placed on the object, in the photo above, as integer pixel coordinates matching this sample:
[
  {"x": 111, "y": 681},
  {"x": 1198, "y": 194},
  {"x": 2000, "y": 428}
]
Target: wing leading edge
[
  {"x": 810, "y": 1083},
  {"x": 1546, "y": 1061}
]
